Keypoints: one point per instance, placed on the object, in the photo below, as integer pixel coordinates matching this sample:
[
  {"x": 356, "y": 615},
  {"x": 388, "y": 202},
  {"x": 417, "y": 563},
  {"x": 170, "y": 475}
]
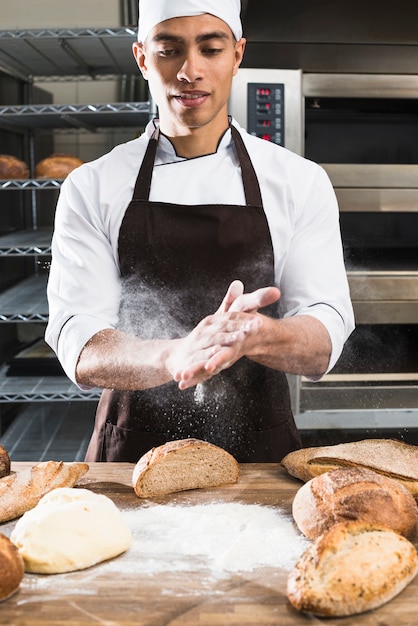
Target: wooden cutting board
[{"x": 121, "y": 597}]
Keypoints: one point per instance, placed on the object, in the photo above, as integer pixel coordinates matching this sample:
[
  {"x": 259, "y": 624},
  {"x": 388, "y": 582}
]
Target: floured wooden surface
[{"x": 198, "y": 590}]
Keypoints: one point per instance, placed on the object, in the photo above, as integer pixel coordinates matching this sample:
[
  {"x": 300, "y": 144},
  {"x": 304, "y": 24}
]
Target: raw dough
[{"x": 70, "y": 529}]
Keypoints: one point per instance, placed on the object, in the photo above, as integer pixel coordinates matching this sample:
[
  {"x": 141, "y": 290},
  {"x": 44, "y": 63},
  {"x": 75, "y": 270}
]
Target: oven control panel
[{"x": 265, "y": 111}]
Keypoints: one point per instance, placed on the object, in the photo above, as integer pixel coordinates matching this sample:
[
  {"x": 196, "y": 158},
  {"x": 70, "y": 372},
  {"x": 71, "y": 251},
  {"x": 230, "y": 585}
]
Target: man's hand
[
  {"x": 221, "y": 339},
  {"x": 219, "y": 334},
  {"x": 236, "y": 300}
]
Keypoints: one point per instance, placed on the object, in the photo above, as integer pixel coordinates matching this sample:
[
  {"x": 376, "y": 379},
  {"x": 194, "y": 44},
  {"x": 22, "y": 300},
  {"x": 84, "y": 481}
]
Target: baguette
[
  {"x": 22, "y": 491},
  {"x": 354, "y": 493},
  {"x": 352, "y": 568},
  {"x": 390, "y": 457},
  {"x": 181, "y": 465},
  {"x": 11, "y": 568}
]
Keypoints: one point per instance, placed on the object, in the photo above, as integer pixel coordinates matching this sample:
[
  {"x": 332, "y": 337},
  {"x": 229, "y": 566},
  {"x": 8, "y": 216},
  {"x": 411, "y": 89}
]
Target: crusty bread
[
  {"x": 57, "y": 166},
  {"x": 352, "y": 568},
  {"x": 12, "y": 168},
  {"x": 354, "y": 493},
  {"x": 21, "y": 491},
  {"x": 181, "y": 465},
  {"x": 4, "y": 462},
  {"x": 11, "y": 568},
  {"x": 389, "y": 457}
]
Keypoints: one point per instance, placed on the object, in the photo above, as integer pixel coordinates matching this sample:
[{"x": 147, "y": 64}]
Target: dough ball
[{"x": 70, "y": 529}]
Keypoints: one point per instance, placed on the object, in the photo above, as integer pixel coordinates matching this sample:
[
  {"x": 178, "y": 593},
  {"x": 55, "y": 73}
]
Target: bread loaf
[
  {"x": 354, "y": 493},
  {"x": 11, "y": 568},
  {"x": 4, "y": 462},
  {"x": 21, "y": 491},
  {"x": 352, "y": 568},
  {"x": 392, "y": 458},
  {"x": 181, "y": 465},
  {"x": 57, "y": 166},
  {"x": 12, "y": 168}
]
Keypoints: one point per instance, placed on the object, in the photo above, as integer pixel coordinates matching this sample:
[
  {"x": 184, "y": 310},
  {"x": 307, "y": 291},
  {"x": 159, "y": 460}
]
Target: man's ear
[
  {"x": 239, "y": 53},
  {"x": 139, "y": 54}
]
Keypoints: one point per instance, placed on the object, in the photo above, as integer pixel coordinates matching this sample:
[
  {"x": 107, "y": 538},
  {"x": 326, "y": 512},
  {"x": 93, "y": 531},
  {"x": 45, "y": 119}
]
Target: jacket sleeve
[
  {"x": 314, "y": 280},
  {"x": 83, "y": 288}
]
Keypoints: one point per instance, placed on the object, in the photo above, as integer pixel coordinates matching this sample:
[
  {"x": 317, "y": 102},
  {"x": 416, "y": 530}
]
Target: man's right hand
[{"x": 236, "y": 300}]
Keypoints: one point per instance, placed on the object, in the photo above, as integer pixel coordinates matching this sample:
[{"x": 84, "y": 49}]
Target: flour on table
[{"x": 222, "y": 538}]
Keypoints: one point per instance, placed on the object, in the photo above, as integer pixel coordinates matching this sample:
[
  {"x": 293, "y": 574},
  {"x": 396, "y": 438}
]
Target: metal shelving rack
[
  {"x": 67, "y": 54},
  {"x": 90, "y": 117},
  {"x": 56, "y": 55}
]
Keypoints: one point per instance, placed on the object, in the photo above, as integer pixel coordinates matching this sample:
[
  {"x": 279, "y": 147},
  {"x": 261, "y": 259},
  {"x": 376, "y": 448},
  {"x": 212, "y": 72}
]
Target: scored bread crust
[
  {"x": 22, "y": 491},
  {"x": 181, "y": 465},
  {"x": 390, "y": 457},
  {"x": 11, "y": 568},
  {"x": 352, "y": 568},
  {"x": 4, "y": 462},
  {"x": 354, "y": 493}
]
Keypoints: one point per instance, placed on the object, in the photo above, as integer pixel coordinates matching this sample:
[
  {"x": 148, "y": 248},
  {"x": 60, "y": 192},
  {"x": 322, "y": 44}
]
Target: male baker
[{"x": 195, "y": 265}]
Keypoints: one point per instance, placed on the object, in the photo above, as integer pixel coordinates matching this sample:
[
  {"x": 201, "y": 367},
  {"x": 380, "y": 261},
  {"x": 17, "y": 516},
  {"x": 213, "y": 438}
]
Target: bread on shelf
[
  {"x": 57, "y": 166},
  {"x": 12, "y": 168}
]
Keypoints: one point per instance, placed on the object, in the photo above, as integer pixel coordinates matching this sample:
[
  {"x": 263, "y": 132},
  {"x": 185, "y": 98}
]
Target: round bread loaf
[
  {"x": 4, "y": 462},
  {"x": 181, "y": 465},
  {"x": 354, "y": 493},
  {"x": 57, "y": 166},
  {"x": 12, "y": 168},
  {"x": 352, "y": 568},
  {"x": 11, "y": 568}
]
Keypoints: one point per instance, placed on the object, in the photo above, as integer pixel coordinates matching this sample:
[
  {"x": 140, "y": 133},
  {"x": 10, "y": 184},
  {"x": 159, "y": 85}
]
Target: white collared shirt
[{"x": 300, "y": 206}]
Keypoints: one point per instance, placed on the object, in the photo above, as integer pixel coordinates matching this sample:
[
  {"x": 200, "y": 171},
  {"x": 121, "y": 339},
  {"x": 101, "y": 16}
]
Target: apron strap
[
  {"x": 143, "y": 181},
  {"x": 249, "y": 177}
]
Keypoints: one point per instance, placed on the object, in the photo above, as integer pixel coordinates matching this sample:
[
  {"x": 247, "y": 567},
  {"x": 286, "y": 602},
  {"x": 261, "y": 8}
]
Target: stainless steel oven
[{"x": 363, "y": 128}]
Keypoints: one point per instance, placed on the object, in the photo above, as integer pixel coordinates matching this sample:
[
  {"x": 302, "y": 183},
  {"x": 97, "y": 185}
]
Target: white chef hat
[{"x": 152, "y": 12}]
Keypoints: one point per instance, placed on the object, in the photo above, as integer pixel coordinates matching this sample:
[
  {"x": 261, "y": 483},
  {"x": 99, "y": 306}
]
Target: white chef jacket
[{"x": 299, "y": 203}]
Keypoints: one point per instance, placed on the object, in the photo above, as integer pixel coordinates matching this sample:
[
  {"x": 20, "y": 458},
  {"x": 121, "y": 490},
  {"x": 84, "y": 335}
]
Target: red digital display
[
  {"x": 265, "y": 113},
  {"x": 263, "y": 92},
  {"x": 265, "y": 106}
]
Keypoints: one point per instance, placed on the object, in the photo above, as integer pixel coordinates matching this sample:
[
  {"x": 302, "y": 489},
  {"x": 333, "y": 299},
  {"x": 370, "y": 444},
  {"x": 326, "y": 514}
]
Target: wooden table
[{"x": 258, "y": 598}]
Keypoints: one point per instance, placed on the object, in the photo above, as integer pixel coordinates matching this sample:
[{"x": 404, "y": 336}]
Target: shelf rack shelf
[
  {"x": 25, "y": 302},
  {"x": 32, "y": 184},
  {"x": 69, "y": 116},
  {"x": 26, "y": 243},
  {"x": 68, "y": 53},
  {"x": 41, "y": 389},
  {"x": 57, "y": 55}
]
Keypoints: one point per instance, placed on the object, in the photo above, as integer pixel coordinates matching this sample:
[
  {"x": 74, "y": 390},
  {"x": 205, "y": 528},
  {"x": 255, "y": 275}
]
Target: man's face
[{"x": 189, "y": 63}]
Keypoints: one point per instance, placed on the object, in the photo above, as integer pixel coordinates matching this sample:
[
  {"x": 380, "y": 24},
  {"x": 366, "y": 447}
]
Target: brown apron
[{"x": 176, "y": 263}]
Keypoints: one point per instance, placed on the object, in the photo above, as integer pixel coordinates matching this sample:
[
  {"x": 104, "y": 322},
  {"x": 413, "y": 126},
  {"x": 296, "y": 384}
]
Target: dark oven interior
[{"x": 379, "y": 365}]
